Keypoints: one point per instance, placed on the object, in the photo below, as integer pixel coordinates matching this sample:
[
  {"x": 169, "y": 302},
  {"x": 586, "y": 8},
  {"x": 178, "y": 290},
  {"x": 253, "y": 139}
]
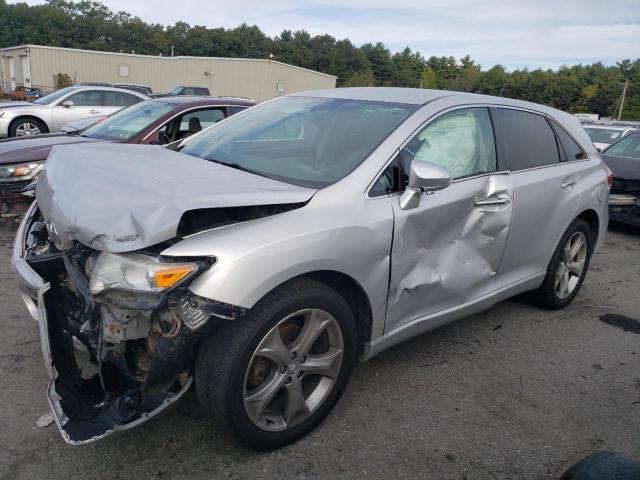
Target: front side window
[
  {"x": 128, "y": 122},
  {"x": 627, "y": 147},
  {"x": 120, "y": 99},
  {"x": 527, "y": 139},
  {"x": 305, "y": 141},
  {"x": 461, "y": 142},
  {"x": 88, "y": 98}
]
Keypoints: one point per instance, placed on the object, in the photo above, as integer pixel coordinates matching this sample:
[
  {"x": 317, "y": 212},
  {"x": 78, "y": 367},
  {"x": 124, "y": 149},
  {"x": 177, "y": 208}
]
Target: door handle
[
  {"x": 568, "y": 182},
  {"x": 493, "y": 200},
  {"x": 94, "y": 111}
]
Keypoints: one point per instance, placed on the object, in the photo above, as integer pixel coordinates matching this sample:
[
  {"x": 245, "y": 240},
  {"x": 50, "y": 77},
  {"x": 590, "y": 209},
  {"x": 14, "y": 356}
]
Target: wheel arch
[
  {"x": 352, "y": 292},
  {"x": 31, "y": 117},
  {"x": 591, "y": 217}
]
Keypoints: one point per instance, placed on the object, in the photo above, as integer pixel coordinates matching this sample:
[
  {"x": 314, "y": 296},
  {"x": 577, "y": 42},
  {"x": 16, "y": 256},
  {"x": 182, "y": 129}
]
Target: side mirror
[
  {"x": 428, "y": 177},
  {"x": 423, "y": 177},
  {"x": 67, "y": 103}
]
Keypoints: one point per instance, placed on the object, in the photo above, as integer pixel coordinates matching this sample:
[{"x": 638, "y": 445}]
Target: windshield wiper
[{"x": 237, "y": 166}]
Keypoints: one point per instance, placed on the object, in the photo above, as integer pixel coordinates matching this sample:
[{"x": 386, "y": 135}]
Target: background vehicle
[
  {"x": 127, "y": 86},
  {"x": 50, "y": 113},
  {"x": 285, "y": 242},
  {"x": 602, "y": 136},
  {"x": 136, "y": 88},
  {"x": 182, "y": 90},
  {"x": 25, "y": 94},
  {"x": 156, "y": 122},
  {"x": 623, "y": 158}
]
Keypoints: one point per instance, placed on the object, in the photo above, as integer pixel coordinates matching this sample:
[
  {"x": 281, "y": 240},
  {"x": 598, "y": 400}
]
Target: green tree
[{"x": 429, "y": 78}]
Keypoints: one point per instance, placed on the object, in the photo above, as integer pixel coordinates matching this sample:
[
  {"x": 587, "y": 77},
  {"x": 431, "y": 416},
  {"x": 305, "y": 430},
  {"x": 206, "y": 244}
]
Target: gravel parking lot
[{"x": 514, "y": 393}]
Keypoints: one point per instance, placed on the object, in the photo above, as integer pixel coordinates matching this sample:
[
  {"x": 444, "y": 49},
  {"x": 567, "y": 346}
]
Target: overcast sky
[{"x": 517, "y": 33}]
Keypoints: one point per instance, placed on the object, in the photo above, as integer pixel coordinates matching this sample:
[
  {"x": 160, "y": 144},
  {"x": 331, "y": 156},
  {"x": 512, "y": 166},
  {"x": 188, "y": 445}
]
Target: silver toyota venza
[{"x": 269, "y": 252}]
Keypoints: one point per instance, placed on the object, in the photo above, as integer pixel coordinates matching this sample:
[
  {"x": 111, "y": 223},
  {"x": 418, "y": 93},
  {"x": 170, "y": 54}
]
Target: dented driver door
[{"x": 447, "y": 250}]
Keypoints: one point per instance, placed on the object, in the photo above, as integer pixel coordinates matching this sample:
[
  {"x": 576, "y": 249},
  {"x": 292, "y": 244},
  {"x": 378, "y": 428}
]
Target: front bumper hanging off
[{"x": 97, "y": 386}]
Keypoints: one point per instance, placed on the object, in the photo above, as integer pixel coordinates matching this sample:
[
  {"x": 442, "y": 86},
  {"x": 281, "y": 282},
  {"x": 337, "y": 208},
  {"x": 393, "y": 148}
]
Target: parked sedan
[
  {"x": 50, "y": 113},
  {"x": 623, "y": 158},
  {"x": 274, "y": 248},
  {"x": 157, "y": 122},
  {"x": 183, "y": 90}
]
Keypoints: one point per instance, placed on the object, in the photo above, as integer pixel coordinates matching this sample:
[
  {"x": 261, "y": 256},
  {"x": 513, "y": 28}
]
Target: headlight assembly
[
  {"x": 137, "y": 273},
  {"x": 22, "y": 171}
]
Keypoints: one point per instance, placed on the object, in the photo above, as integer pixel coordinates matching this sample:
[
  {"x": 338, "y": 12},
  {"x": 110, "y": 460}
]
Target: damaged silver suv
[{"x": 272, "y": 250}]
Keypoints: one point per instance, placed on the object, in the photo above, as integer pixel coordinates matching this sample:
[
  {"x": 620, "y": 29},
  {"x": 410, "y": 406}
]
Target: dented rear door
[{"x": 447, "y": 250}]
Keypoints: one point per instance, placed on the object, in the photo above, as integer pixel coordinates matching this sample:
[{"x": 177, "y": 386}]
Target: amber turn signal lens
[{"x": 168, "y": 277}]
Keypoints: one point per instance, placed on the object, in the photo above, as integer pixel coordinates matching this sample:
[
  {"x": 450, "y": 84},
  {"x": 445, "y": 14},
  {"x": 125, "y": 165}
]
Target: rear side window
[
  {"x": 569, "y": 149},
  {"x": 527, "y": 139},
  {"x": 119, "y": 99}
]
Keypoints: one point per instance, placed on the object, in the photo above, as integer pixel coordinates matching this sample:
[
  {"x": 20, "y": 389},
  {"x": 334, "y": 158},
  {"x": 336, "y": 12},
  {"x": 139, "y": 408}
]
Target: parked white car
[
  {"x": 49, "y": 114},
  {"x": 604, "y": 135}
]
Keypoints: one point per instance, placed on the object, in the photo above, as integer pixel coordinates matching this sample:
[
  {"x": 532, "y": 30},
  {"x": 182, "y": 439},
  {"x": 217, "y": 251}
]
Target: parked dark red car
[{"x": 156, "y": 122}]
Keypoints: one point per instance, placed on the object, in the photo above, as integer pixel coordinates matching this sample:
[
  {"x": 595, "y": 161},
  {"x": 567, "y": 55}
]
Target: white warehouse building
[{"x": 259, "y": 79}]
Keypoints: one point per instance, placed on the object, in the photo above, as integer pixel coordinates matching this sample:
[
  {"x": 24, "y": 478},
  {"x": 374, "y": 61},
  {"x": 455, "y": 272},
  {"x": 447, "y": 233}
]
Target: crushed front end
[
  {"x": 624, "y": 201},
  {"x": 119, "y": 332}
]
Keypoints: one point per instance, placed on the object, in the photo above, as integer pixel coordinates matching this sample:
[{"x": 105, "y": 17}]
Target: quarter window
[
  {"x": 569, "y": 149},
  {"x": 461, "y": 142},
  {"x": 527, "y": 139}
]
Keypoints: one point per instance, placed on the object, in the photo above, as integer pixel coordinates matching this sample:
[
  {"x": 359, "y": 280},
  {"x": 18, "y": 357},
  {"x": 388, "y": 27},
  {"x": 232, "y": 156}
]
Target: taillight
[{"x": 609, "y": 177}]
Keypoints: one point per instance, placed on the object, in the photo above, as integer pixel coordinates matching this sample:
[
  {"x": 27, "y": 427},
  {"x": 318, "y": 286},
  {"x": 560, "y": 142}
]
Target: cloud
[{"x": 516, "y": 33}]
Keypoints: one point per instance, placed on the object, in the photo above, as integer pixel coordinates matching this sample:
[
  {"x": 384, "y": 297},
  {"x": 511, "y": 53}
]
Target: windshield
[
  {"x": 310, "y": 142},
  {"x": 128, "y": 122},
  {"x": 627, "y": 147},
  {"x": 52, "y": 97},
  {"x": 603, "y": 135}
]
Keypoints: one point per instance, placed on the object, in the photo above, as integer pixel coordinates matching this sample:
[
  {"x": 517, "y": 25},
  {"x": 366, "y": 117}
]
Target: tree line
[{"x": 594, "y": 88}]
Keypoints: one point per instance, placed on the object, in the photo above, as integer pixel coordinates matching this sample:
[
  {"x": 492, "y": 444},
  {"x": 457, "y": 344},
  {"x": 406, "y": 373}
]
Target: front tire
[
  {"x": 27, "y": 127},
  {"x": 272, "y": 376},
  {"x": 567, "y": 268}
]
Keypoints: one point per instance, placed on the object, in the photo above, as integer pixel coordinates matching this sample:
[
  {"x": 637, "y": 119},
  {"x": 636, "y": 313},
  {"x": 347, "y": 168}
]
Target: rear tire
[
  {"x": 567, "y": 268},
  {"x": 27, "y": 127},
  {"x": 265, "y": 396}
]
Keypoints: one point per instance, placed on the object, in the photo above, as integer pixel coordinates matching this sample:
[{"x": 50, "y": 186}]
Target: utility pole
[{"x": 624, "y": 92}]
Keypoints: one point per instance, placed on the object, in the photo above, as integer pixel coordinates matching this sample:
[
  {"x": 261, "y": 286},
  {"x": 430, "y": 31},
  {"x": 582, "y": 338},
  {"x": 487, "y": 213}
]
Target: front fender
[{"x": 254, "y": 257}]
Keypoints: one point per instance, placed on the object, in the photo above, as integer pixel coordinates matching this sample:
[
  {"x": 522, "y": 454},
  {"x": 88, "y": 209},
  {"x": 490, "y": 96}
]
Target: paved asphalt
[{"x": 514, "y": 393}]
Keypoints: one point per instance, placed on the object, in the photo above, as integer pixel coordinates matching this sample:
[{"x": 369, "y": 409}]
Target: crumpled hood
[
  {"x": 33, "y": 149},
  {"x": 120, "y": 198}
]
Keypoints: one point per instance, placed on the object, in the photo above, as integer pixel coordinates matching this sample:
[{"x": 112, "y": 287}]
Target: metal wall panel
[{"x": 258, "y": 79}]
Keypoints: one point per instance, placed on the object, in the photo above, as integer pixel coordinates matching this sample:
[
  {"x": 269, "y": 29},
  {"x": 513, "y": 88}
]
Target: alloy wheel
[
  {"x": 293, "y": 369},
  {"x": 27, "y": 129},
  {"x": 571, "y": 265}
]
